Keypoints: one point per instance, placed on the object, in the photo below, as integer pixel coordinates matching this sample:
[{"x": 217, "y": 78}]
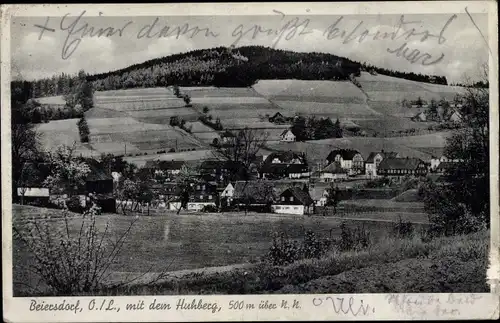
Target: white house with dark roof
[
  {"x": 374, "y": 160},
  {"x": 287, "y": 136},
  {"x": 332, "y": 172},
  {"x": 294, "y": 200},
  {"x": 348, "y": 159}
]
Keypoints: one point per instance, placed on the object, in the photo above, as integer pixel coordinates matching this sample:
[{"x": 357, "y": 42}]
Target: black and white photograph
[{"x": 242, "y": 154}]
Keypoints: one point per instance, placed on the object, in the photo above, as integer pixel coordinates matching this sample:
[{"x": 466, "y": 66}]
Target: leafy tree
[
  {"x": 299, "y": 128},
  {"x": 462, "y": 205},
  {"x": 243, "y": 148},
  {"x": 83, "y": 129},
  {"x": 177, "y": 91},
  {"x": 67, "y": 173},
  {"x": 205, "y": 110},
  {"x": 174, "y": 121},
  {"x": 187, "y": 100},
  {"x": 333, "y": 197}
]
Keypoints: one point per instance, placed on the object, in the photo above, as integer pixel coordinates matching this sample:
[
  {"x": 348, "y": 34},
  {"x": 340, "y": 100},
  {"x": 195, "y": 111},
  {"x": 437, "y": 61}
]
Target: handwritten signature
[{"x": 346, "y": 306}]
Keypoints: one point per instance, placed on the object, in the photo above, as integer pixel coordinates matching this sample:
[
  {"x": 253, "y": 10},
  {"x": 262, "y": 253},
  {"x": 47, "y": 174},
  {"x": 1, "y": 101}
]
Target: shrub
[
  {"x": 71, "y": 261},
  {"x": 285, "y": 251},
  {"x": 356, "y": 239},
  {"x": 209, "y": 209},
  {"x": 73, "y": 204},
  {"x": 402, "y": 229}
]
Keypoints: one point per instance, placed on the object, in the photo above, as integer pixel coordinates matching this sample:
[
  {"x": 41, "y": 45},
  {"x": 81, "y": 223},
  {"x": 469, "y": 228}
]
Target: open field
[
  {"x": 315, "y": 91},
  {"x": 333, "y": 110},
  {"x": 192, "y": 241},
  {"x": 185, "y": 155},
  {"x": 197, "y": 240},
  {"x": 385, "y": 93},
  {"x": 63, "y": 132},
  {"x": 114, "y": 135}
]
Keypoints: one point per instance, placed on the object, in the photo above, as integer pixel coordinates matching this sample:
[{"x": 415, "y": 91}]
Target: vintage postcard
[{"x": 250, "y": 161}]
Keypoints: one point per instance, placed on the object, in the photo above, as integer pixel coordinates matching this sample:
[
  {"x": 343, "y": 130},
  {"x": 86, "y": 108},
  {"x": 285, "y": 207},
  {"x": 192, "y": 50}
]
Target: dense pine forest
[{"x": 221, "y": 66}]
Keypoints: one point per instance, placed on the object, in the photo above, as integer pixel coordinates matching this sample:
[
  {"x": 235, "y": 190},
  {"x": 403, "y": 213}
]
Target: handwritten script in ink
[
  {"x": 351, "y": 306},
  {"x": 405, "y": 34}
]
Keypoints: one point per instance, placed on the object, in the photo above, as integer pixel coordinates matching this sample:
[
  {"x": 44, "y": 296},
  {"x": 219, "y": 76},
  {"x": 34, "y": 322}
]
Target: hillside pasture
[
  {"x": 202, "y": 132},
  {"x": 334, "y": 110},
  {"x": 434, "y": 140},
  {"x": 62, "y": 132},
  {"x": 137, "y": 92},
  {"x": 319, "y": 90},
  {"x": 218, "y": 92},
  {"x": 390, "y": 124},
  {"x": 143, "y": 105},
  {"x": 51, "y": 100}
]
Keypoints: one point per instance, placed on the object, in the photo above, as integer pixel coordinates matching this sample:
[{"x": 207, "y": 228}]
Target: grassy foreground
[{"x": 450, "y": 264}]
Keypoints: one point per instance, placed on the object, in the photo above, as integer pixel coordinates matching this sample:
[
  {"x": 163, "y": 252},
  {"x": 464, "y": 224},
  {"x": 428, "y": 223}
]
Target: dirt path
[{"x": 133, "y": 278}]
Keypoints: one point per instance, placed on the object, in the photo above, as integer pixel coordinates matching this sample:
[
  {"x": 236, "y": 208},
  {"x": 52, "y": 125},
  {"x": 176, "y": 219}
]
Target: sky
[{"x": 74, "y": 44}]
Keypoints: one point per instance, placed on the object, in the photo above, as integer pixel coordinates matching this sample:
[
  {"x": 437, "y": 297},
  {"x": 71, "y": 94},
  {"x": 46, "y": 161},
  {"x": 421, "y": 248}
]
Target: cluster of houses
[
  {"x": 281, "y": 182},
  {"x": 285, "y": 183}
]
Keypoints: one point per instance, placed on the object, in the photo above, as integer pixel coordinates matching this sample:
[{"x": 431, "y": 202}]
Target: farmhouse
[
  {"x": 421, "y": 116},
  {"x": 278, "y": 118},
  {"x": 257, "y": 195},
  {"x": 374, "y": 160},
  {"x": 436, "y": 161},
  {"x": 284, "y": 165},
  {"x": 201, "y": 195},
  {"x": 287, "y": 136},
  {"x": 100, "y": 185},
  {"x": 319, "y": 195},
  {"x": 227, "y": 137},
  {"x": 400, "y": 167},
  {"x": 221, "y": 171},
  {"x": 37, "y": 195},
  {"x": 455, "y": 117},
  {"x": 227, "y": 193},
  {"x": 164, "y": 167},
  {"x": 333, "y": 172},
  {"x": 444, "y": 167},
  {"x": 349, "y": 159},
  {"x": 294, "y": 201}
]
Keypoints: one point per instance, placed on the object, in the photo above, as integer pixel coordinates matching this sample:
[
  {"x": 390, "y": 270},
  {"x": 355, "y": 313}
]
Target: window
[
  {"x": 278, "y": 207},
  {"x": 282, "y": 199},
  {"x": 201, "y": 197},
  {"x": 295, "y": 207},
  {"x": 197, "y": 187},
  {"x": 210, "y": 197},
  {"x": 291, "y": 198},
  {"x": 203, "y": 187}
]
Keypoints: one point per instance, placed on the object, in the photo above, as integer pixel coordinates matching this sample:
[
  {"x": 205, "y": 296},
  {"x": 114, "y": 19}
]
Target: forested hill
[
  {"x": 222, "y": 67},
  {"x": 225, "y": 67}
]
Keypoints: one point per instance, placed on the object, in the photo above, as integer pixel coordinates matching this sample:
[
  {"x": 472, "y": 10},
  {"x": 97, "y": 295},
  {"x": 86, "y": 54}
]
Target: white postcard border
[{"x": 312, "y": 307}]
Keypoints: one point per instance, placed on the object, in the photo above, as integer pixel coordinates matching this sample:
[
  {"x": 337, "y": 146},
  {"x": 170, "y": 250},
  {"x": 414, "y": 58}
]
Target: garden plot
[
  {"x": 126, "y": 124},
  {"x": 115, "y": 148},
  {"x": 179, "y": 112},
  {"x": 100, "y": 112}
]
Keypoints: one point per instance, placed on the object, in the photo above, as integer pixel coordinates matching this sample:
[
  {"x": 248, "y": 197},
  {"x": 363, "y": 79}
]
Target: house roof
[
  {"x": 347, "y": 154},
  {"x": 385, "y": 154},
  {"x": 445, "y": 165},
  {"x": 300, "y": 195},
  {"x": 283, "y": 156},
  {"x": 400, "y": 163},
  {"x": 259, "y": 190},
  {"x": 316, "y": 193},
  {"x": 164, "y": 164},
  {"x": 226, "y": 134},
  {"x": 220, "y": 164},
  {"x": 334, "y": 168},
  {"x": 97, "y": 174},
  {"x": 286, "y": 131}
]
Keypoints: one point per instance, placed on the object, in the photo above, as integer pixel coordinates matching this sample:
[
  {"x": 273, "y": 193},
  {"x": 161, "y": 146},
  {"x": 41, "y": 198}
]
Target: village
[{"x": 281, "y": 182}]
